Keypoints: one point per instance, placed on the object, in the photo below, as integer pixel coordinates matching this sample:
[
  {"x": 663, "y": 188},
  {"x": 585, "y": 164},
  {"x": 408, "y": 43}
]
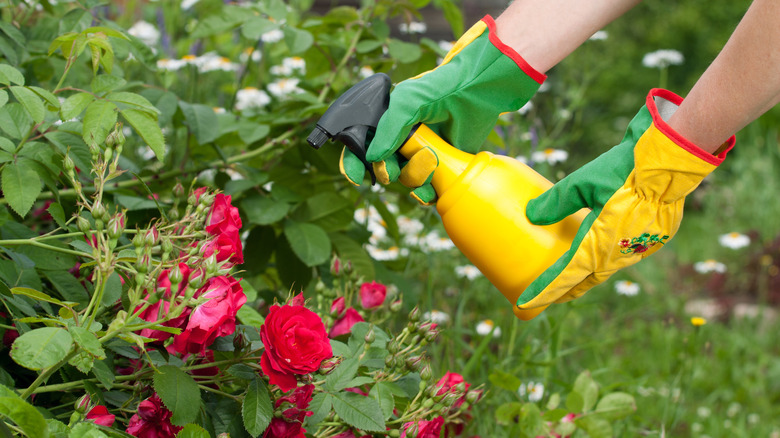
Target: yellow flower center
[{"x": 189, "y": 57}]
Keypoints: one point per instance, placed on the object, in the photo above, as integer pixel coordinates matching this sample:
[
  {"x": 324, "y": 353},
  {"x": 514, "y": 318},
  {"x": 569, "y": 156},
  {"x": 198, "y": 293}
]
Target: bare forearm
[
  {"x": 741, "y": 84},
  {"x": 544, "y": 32}
]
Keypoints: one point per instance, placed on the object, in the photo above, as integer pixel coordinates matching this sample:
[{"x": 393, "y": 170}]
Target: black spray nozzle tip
[{"x": 318, "y": 137}]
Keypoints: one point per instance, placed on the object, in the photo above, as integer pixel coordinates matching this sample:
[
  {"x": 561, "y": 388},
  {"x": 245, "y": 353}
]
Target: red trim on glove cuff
[
  {"x": 675, "y": 136},
  {"x": 511, "y": 53}
]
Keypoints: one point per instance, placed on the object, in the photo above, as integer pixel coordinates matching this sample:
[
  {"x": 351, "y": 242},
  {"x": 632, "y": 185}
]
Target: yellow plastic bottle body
[{"x": 482, "y": 200}]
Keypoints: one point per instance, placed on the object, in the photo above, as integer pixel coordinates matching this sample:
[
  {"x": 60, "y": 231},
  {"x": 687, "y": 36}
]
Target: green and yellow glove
[
  {"x": 460, "y": 99},
  {"x": 636, "y": 192}
]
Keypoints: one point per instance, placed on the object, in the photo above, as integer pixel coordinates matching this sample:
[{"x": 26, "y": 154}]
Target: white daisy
[
  {"x": 170, "y": 64},
  {"x": 284, "y": 87},
  {"x": 662, "y": 58},
  {"x": 250, "y": 52},
  {"x": 467, "y": 271},
  {"x": 146, "y": 32},
  {"x": 272, "y": 36},
  {"x": 407, "y": 226},
  {"x": 600, "y": 35},
  {"x": 485, "y": 326},
  {"x": 550, "y": 156},
  {"x": 628, "y": 288},
  {"x": 708, "y": 266},
  {"x": 251, "y": 97},
  {"x": 734, "y": 240},
  {"x": 365, "y": 71},
  {"x": 413, "y": 27},
  {"x": 533, "y": 390},
  {"x": 434, "y": 242}
]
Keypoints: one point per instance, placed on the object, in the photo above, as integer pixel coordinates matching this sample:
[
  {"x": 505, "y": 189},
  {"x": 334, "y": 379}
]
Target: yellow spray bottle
[{"x": 481, "y": 197}]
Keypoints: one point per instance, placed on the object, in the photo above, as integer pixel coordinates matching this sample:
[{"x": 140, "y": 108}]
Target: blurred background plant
[{"x": 222, "y": 95}]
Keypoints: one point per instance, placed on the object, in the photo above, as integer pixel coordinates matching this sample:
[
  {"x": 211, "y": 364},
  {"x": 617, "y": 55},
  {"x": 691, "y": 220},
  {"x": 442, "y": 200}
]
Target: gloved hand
[
  {"x": 460, "y": 100},
  {"x": 636, "y": 192}
]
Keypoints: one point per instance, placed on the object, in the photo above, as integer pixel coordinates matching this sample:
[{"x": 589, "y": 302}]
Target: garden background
[{"x": 145, "y": 145}]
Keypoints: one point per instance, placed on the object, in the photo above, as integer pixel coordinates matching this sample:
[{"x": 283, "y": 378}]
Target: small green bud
[
  {"x": 68, "y": 164},
  {"x": 414, "y": 315},
  {"x": 178, "y": 190},
  {"x": 473, "y": 396},
  {"x": 98, "y": 212},
  {"x": 107, "y": 154},
  {"x": 396, "y": 305},
  {"x": 151, "y": 236},
  {"x": 167, "y": 246},
  {"x": 414, "y": 362},
  {"x": 83, "y": 224},
  {"x": 428, "y": 403},
  {"x": 426, "y": 373},
  {"x": 370, "y": 335},
  {"x": 116, "y": 226}
]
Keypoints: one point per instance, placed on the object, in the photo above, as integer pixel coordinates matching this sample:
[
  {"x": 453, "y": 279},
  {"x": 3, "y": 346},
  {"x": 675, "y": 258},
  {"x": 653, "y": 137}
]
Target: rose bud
[
  {"x": 370, "y": 335},
  {"x": 178, "y": 190},
  {"x": 414, "y": 315},
  {"x": 336, "y": 267},
  {"x": 426, "y": 373},
  {"x": 414, "y": 362},
  {"x": 328, "y": 365},
  {"x": 396, "y": 305},
  {"x": 83, "y": 224},
  {"x": 151, "y": 236},
  {"x": 116, "y": 225}
]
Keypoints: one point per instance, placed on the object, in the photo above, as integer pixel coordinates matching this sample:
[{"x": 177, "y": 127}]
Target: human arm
[
  {"x": 741, "y": 84},
  {"x": 480, "y": 78}
]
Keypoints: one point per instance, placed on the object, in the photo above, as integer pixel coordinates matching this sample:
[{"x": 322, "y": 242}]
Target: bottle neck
[{"x": 452, "y": 161}]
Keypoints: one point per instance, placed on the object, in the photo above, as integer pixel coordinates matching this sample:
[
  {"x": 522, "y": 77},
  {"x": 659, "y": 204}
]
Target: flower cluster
[{"x": 197, "y": 295}]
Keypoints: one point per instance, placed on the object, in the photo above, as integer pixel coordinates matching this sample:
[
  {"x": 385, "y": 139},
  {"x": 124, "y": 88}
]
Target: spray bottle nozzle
[{"x": 353, "y": 117}]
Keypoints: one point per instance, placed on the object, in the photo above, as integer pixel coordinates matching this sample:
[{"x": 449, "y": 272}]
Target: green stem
[
  {"x": 46, "y": 374},
  {"x": 34, "y": 242},
  {"x": 176, "y": 172},
  {"x": 347, "y": 55}
]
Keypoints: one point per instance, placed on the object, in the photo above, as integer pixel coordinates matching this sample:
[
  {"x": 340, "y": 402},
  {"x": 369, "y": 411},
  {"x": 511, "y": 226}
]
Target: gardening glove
[
  {"x": 461, "y": 99},
  {"x": 636, "y": 192}
]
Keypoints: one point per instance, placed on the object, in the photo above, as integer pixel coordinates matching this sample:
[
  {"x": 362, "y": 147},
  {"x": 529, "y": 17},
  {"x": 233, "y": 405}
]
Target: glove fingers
[
  {"x": 419, "y": 168},
  {"x": 351, "y": 167},
  {"x": 560, "y": 201},
  {"x": 585, "y": 285},
  {"x": 425, "y": 194},
  {"x": 391, "y": 131},
  {"x": 387, "y": 170}
]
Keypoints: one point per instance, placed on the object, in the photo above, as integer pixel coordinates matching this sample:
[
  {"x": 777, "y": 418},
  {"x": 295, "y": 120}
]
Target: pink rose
[
  {"x": 295, "y": 343},
  {"x": 343, "y": 325},
  {"x": 372, "y": 294},
  {"x": 152, "y": 420},
  {"x": 100, "y": 415},
  {"x": 447, "y": 384},
  {"x": 425, "y": 429},
  {"x": 338, "y": 307},
  {"x": 216, "y": 317},
  {"x": 224, "y": 223}
]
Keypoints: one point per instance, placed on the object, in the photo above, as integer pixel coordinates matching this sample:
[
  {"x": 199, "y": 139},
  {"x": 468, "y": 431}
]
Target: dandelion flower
[
  {"x": 708, "y": 266},
  {"x": 533, "y": 390},
  {"x": 698, "y": 321},
  {"x": 467, "y": 271},
  {"x": 628, "y": 288},
  {"x": 272, "y": 36},
  {"x": 662, "y": 58},
  {"x": 146, "y": 32},
  {"x": 485, "y": 326},
  {"x": 436, "y": 317},
  {"x": 734, "y": 240},
  {"x": 550, "y": 156},
  {"x": 413, "y": 27},
  {"x": 251, "y": 97}
]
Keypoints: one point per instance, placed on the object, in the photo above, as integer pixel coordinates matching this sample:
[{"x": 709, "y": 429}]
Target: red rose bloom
[
  {"x": 289, "y": 426},
  {"x": 425, "y": 429},
  {"x": 99, "y": 415},
  {"x": 153, "y": 420},
  {"x": 152, "y": 313},
  {"x": 295, "y": 343},
  {"x": 224, "y": 222},
  {"x": 343, "y": 325},
  {"x": 447, "y": 384},
  {"x": 216, "y": 317},
  {"x": 337, "y": 307},
  {"x": 372, "y": 294}
]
